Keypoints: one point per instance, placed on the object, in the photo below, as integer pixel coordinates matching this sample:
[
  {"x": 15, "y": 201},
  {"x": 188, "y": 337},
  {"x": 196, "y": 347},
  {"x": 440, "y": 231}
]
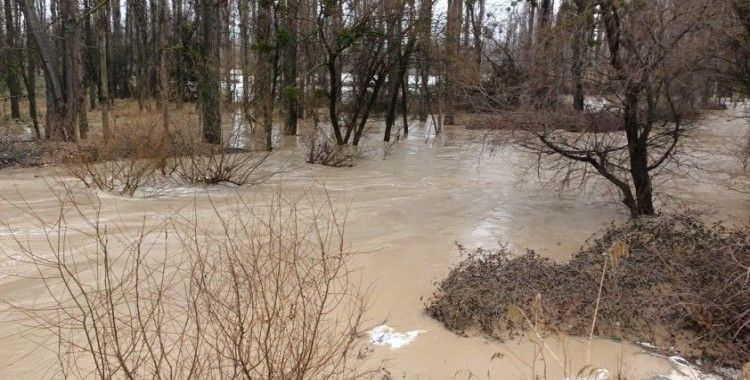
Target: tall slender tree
[{"x": 209, "y": 79}]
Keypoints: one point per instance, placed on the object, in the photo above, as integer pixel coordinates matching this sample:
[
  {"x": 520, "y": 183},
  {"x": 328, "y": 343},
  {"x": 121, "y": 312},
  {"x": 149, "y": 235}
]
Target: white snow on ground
[
  {"x": 385, "y": 335},
  {"x": 684, "y": 370}
]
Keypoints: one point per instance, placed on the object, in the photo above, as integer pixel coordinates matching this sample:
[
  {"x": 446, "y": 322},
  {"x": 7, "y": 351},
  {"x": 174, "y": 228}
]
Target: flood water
[{"x": 406, "y": 211}]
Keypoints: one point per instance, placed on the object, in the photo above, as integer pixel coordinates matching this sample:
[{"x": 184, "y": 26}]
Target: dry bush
[
  {"x": 195, "y": 162},
  {"x": 137, "y": 156},
  {"x": 567, "y": 120},
  {"x": 324, "y": 150},
  {"x": 682, "y": 285},
  {"x": 245, "y": 291},
  {"x": 121, "y": 164},
  {"x": 12, "y": 152}
]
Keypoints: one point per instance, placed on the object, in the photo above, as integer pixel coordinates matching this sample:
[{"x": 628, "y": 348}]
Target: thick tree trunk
[
  {"x": 101, "y": 39},
  {"x": 59, "y": 123},
  {"x": 642, "y": 203},
  {"x": 638, "y": 151},
  {"x": 209, "y": 86}
]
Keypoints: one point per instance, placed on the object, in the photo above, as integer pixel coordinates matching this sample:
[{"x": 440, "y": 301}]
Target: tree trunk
[
  {"x": 291, "y": 89},
  {"x": 30, "y": 80},
  {"x": 424, "y": 41},
  {"x": 13, "y": 62},
  {"x": 209, "y": 86},
  {"x": 265, "y": 76},
  {"x": 101, "y": 39},
  {"x": 453, "y": 31},
  {"x": 637, "y": 149},
  {"x": 244, "y": 29},
  {"x": 163, "y": 72},
  {"x": 393, "y": 32}
]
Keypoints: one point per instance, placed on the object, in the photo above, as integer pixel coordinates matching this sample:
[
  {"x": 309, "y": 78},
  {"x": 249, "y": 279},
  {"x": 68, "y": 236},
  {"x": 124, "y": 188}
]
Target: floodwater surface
[{"x": 407, "y": 209}]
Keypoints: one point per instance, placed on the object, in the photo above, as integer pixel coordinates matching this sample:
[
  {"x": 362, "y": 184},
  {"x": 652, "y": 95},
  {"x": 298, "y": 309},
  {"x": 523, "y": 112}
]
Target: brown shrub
[
  {"x": 121, "y": 164},
  {"x": 195, "y": 162},
  {"x": 571, "y": 121},
  {"x": 325, "y": 151},
  {"x": 683, "y": 284}
]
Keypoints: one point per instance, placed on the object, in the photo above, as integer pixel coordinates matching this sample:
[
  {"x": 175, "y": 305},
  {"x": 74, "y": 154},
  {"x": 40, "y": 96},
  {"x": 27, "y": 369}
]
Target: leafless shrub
[
  {"x": 324, "y": 150},
  {"x": 94, "y": 167},
  {"x": 199, "y": 163},
  {"x": 124, "y": 162},
  {"x": 246, "y": 291},
  {"x": 12, "y": 152},
  {"x": 683, "y": 284}
]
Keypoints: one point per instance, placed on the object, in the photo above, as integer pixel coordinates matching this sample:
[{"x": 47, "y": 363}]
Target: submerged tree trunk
[
  {"x": 453, "y": 31},
  {"x": 424, "y": 42}
]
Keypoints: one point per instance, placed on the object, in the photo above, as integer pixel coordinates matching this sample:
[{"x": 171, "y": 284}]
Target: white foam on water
[{"x": 385, "y": 335}]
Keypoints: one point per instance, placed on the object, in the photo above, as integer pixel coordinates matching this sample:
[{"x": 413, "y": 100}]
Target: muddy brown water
[{"x": 407, "y": 210}]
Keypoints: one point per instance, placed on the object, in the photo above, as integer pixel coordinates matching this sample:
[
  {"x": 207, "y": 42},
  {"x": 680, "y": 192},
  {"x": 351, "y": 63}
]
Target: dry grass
[{"x": 671, "y": 280}]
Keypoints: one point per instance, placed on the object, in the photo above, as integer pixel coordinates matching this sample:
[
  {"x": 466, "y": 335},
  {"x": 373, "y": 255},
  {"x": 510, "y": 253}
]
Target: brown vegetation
[
  {"x": 676, "y": 282},
  {"x": 245, "y": 291},
  {"x": 135, "y": 156}
]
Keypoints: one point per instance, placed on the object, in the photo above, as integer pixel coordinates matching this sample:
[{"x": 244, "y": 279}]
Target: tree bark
[
  {"x": 265, "y": 76},
  {"x": 101, "y": 39},
  {"x": 291, "y": 89},
  {"x": 30, "y": 79},
  {"x": 13, "y": 63},
  {"x": 453, "y": 31},
  {"x": 163, "y": 71},
  {"x": 209, "y": 86}
]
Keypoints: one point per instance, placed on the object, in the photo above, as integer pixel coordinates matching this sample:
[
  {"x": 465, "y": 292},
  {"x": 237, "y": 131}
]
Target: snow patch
[
  {"x": 385, "y": 335},
  {"x": 683, "y": 370}
]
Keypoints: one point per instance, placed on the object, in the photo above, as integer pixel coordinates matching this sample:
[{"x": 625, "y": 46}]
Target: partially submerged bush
[
  {"x": 325, "y": 151},
  {"x": 199, "y": 163},
  {"x": 682, "y": 284},
  {"x": 131, "y": 159},
  {"x": 121, "y": 164}
]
